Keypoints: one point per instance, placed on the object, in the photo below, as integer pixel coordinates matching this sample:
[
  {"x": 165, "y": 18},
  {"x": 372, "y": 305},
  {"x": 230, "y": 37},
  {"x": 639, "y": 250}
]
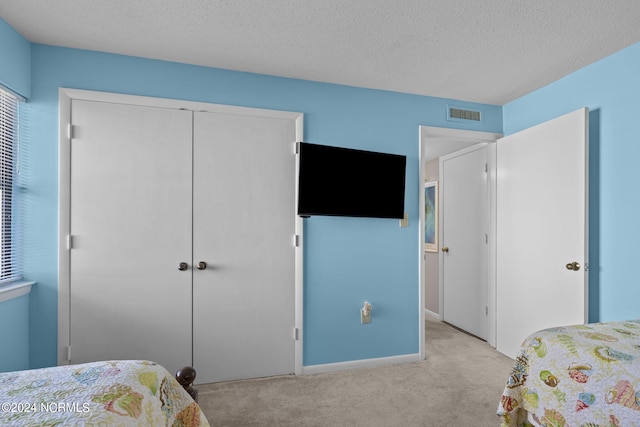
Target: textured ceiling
[{"x": 489, "y": 51}]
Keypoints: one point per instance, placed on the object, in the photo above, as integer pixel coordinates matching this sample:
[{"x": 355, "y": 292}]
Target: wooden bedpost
[{"x": 186, "y": 376}]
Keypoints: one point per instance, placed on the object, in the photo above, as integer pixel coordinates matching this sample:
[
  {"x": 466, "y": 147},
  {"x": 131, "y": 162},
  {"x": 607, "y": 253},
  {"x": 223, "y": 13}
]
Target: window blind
[{"x": 10, "y": 268}]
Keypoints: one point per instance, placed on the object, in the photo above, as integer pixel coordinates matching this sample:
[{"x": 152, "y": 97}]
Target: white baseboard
[
  {"x": 364, "y": 363},
  {"x": 431, "y": 314}
]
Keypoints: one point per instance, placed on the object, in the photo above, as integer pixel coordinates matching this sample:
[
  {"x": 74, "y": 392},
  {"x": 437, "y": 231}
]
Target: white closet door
[
  {"x": 244, "y": 176},
  {"x": 131, "y": 227}
]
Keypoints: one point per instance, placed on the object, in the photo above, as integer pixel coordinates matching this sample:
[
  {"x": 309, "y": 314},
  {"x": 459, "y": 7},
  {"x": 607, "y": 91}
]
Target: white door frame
[
  {"x": 64, "y": 199},
  {"x": 458, "y": 139}
]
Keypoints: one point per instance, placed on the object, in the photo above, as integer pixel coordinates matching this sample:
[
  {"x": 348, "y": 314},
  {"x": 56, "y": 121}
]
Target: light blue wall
[
  {"x": 15, "y": 67},
  {"x": 15, "y": 74},
  {"x": 610, "y": 88},
  {"x": 346, "y": 260},
  {"x": 14, "y": 343},
  {"x": 14, "y": 339}
]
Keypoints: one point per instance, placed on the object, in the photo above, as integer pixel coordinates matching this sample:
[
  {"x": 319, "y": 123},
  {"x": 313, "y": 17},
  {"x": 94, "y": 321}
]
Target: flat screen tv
[{"x": 347, "y": 182}]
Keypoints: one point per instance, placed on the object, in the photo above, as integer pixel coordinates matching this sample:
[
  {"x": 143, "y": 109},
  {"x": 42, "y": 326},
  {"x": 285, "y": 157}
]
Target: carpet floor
[{"x": 458, "y": 384}]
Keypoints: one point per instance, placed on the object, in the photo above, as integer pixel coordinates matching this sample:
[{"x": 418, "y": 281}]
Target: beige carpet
[{"x": 459, "y": 384}]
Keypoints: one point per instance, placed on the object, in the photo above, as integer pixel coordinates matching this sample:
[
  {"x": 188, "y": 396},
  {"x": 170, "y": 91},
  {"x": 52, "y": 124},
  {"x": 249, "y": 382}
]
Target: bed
[
  {"x": 581, "y": 375},
  {"x": 109, "y": 393}
]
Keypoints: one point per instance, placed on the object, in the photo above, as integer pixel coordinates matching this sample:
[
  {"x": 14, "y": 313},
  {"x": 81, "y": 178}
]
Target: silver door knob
[
  {"x": 183, "y": 266},
  {"x": 202, "y": 265}
]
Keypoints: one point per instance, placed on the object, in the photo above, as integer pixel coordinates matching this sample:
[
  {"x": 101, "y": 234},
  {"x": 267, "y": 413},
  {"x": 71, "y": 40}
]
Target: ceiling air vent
[{"x": 460, "y": 115}]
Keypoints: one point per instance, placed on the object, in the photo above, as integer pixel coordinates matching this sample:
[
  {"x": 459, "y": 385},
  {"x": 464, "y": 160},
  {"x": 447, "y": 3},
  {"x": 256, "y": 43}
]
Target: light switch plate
[{"x": 404, "y": 222}]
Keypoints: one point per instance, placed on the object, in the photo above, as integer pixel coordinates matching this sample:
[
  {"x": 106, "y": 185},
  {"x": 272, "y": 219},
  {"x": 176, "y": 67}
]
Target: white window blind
[{"x": 10, "y": 268}]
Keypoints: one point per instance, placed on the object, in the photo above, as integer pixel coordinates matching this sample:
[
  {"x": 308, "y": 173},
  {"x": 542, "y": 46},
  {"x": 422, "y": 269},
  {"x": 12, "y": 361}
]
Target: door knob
[
  {"x": 202, "y": 265},
  {"x": 445, "y": 249},
  {"x": 573, "y": 266},
  {"x": 183, "y": 266}
]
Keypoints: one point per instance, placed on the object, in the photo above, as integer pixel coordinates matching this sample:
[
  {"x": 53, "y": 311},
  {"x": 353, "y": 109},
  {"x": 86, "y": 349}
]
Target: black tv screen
[{"x": 347, "y": 182}]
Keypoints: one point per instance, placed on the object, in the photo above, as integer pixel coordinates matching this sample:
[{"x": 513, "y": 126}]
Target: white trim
[
  {"x": 64, "y": 186},
  {"x": 492, "y": 157},
  {"x": 299, "y": 292},
  {"x": 586, "y": 214},
  {"x": 64, "y": 226},
  {"x": 363, "y": 363},
  {"x": 422, "y": 301},
  {"x": 436, "y": 133},
  {"x": 15, "y": 94},
  {"x": 148, "y": 101},
  {"x": 15, "y": 289}
]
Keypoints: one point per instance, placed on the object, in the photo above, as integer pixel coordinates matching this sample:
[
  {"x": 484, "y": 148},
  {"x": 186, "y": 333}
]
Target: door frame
[
  {"x": 457, "y": 139},
  {"x": 65, "y": 96}
]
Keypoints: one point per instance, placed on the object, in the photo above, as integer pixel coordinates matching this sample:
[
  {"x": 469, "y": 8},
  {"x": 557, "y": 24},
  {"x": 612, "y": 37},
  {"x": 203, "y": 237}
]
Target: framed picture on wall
[{"x": 431, "y": 216}]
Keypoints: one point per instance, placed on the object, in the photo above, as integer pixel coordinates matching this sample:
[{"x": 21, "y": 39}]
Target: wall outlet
[
  {"x": 365, "y": 317},
  {"x": 365, "y": 313}
]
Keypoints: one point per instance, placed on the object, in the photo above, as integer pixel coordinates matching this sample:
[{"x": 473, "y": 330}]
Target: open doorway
[{"x": 437, "y": 143}]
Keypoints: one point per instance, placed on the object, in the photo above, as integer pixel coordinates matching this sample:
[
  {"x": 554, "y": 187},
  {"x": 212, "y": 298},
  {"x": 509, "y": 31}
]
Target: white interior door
[
  {"x": 464, "y": 257},
  {"x": 542, "y": 227},
  {"x": 130, "y": 218},
  {"x": 244, "y": 223}
]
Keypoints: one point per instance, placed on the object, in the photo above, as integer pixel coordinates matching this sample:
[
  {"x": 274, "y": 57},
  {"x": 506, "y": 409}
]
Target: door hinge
[
  {"x": 69, "y": 354},
  {"x": 486, "y": 167},
  {"x": 296, "y": 147},
  {"x": 486, "y": 238},
  {"x": 486, "y": 310},
  {"x": 296, "y": 334},
  {"x": 296, "y": 240},
  {"x": 70, "y": 131},
  {"x": 69, "y": 242}
]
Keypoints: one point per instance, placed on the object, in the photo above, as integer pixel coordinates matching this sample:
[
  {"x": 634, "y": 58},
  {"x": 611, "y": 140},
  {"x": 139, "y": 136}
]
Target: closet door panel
[
  {"x": 131, "y": 227},
  {"x": 244, "y": 175}
]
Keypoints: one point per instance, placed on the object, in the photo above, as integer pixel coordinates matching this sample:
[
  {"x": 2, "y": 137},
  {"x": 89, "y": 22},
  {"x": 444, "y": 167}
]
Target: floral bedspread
[
  {"x": 111, "y": 393},
  {"x": 583, "y": 375}
]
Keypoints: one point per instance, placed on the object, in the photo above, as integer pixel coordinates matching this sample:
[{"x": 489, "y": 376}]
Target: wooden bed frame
[{"x": 186, "y": 376}]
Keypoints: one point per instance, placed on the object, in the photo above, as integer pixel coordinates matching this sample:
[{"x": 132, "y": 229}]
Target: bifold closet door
[
  {"x": 244, "y": 219},
  {"x": 131, "y": 227}
]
